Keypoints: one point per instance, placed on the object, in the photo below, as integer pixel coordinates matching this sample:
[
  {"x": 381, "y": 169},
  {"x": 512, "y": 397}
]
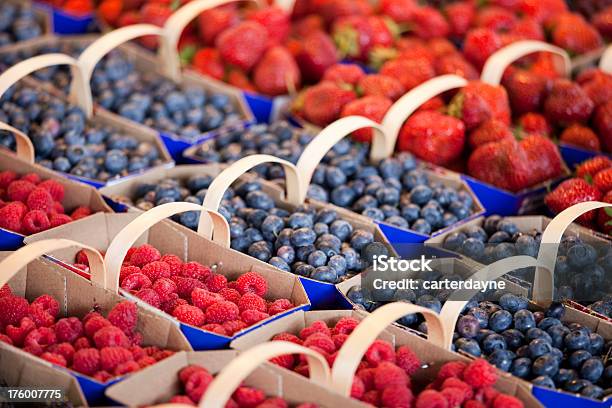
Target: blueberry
[
  {"x": 414, "y": 178},
  {"x": 507, "y": 226},
  {"x": 521, "y": 367},
  {"x": 468, "y": 326},
  {"x": 524, "y": 320},
  {"x": 546, "y": 365},
  {"x": 548, "y": 322},
  {"x": 397, "y": 221},
  {"x": 581, "y": 255},
  {"x": 302, "y": 237},
  {"x": 260, "y": 250},
  {"x": 360, "y": 238},
  {"x": 410, "y": 212},
  {"x": 190, "y": 219},
  {"x": 327, "y": 216},
  {"x": 301, "y": 253},
  {"x": 539, "y": 347},
  {"x": 535, "y": 333},
  {"x": 511, "y": 303},
  {"x": 421, "y": 226},
  {"x": 475, "y": 232},
  {"x": 352, "y": 259},
  {"x": 367, "y": 201},
  {"x": 556, "y": 310},
  {"x": 469, "y": 346},
  {"x": 343, "y": 196},
  {"x": 493, "y": 342},
  {"x": 390, "y": 167},
  {"x": 473, "y": 248},
  {"x": 338, "y": 263},
  {"x": 321, "y": 228},
  {"x": 577, "y": 358},
  {"x": 576, "y": 340},
  {"x": 334, "y": 177},
  {"x": 420, "y": 194},
  {"x": 501, "y": 359},
  {"x": 304, "y": 270},
  {"x": 565, "y": 375},
  {"x": 514, "y": 338},
  {"x": 317, "y": 258},
  {"x": 592, "y": 369},
  {"x": 597, "y": 343},
  {"x": 432, "y": 215},
  {"x": 374, "y": 213},
  {"x": 454, "y": 241},
  {"x": 459, "y": 210},
  {"x": 324, "y": 274},
  {"x": 592, "y": 391},
  {"x": 388, "y": 195},
  {"x": 526, "y": 245},
  {"x": 576, "y": 385},
  {"x": 279, "y": 263},
  {"x": 543, "y": 381},
  {"x": 499, "y": 237}
]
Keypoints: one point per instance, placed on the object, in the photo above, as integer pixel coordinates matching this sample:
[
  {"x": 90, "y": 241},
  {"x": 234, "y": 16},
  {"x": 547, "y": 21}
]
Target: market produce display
[{"x": 19, "y": 22}]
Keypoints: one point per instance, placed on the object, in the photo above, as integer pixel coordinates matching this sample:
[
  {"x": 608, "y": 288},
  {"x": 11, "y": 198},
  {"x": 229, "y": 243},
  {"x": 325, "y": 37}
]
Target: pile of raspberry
[
  {"x": 383, "y": 378},
  {"x": 99, "y": 347},
  {"x": 194, "y": 294},
  {"x": 29, "y": 205},
  {"x": 195, "y": 380}
]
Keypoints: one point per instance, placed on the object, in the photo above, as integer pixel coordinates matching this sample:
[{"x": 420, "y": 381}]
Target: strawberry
[
  {"x": 543, "y": 158},
  {"x": 380, "y": 85},
  {"x": 478, "y": 102},
  {"x": 545, "y": 66},
  {"x": 604, "y": 215},
  {"x": 427, "y": 22},
  {"x": 414, "y": 47},
  {"x": 309, "y": 24},
  {"x": 240, "y": 80},
  {"x": 460, "y": 16},
  {"x": 433, "y": 137},
  {"x": 410, "y": 73},
  {"x": 567, "y": 102},
  {"x": 243, "y": 45},
  {"x": 208, "y": 62},
  {"x": 349, "y": 74},
  {"x": 527, "y": 29},
  {"x": 323, "y": 103},
  {"x": 372, "y": 107},
  {"x": 603, "y": 125},
  {"x": 455, "y": 64},
  {"x": 541, "y": 10},
  {"x": 581, "y": 136},
  {"x": 490, "y": 131},
  {"x": 317, "y": 53},
  {"x": 502, "y": 164},
  {"x": 495, "y": 18},
  {"x": 534, "y": 123},
  {"x": 214, "y": 21},
  {"x": 277, "y": 72},
  {"x": 602, "y": 21},
  {"x": 576, "y": 36},
  {"x": 110, "y": 11},
  {"x": 356, "y": 36},
  {"x": 571, "y": 192},
  {"x": 526, "y": 91},
  {"x": 592, "y": 166},
  {"x": 275, "y": 20},
  {"x": 128, "y": 18},
  {"x": 332, "y": 10},
  {"x": 603, "y": 180},
  {"x": 479, "y": 44},
  {"x": 156, "y": 14},
  {"x": 597, "y": 85},
  {"x": 400, "y": 11}
]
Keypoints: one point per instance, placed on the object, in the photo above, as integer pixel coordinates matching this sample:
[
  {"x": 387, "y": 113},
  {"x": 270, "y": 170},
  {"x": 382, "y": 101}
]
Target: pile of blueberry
[
  {"x": 65, "y": 141},
  {"x": 18, "y": 23},
  {"x": 537, "y": 345},
  {"x": 583, "y": 272}
]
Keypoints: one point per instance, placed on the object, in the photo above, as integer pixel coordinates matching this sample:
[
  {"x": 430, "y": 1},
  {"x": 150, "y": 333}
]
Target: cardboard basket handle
[
  {"x": 316, "y": 150},
  {"x": 295, "y": 189},
  {"x": 25, "y": 148},
  {"x": 22, "y": 257},
  {"x": 350, "y": 354},
  {"x": 126, "y": 238},
  {"x": 82, "y": 95},
  {"x": 549, "y": 246},
  {"x": 406, "y": 105},
  {"x": 496, "y": 64},
  {"x": 605, "y": 63},
  {"x": 225, "y": 383}
]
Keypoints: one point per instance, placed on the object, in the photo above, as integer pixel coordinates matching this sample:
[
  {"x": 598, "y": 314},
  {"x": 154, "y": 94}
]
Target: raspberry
[
  {"x": 186, "y": 372},
  {"x": 20, "y": 190},
  {"x": 367, "y": 377},
  {"x": 11, "y": 216},
  {"x": 474, "y": 404},
  {"x": 95, "y": 323},
  {"x": 250, "y": 317},
  {"x": 248, "y": 396},
  {"x": 229, "y": 294},
  {"x": 149, "y": 296},
  {"x": 7, "y": 177},
  {"x": 175, "y": 263},
  {"x": 164, "y": 288},
  {"x": 58, "y": 209},
  {"x": 111, "y": 357},
  {"x": 41, "y": 337},
  {"x": 5, "y": 291},
  {"x": 388, "y": 374},
  {"x": 127, "y": 271},
  {"x": 56, "y": 220},
  {"x": 68, "y": 329},
  {"x": 172, "y": 303},
  {"x": 345, "y": 325},
  {"x": 357, "y": 388},
  {"x": 321, "y": 341},
  {"x": 202, "y": 298},
  {"x": 507, "y": 401},
  {"x": 124, "y": 316},
  {"x": 288, "y": 337},
  {"x": 41, "y": 317},
  {"x": 81, "y": 343},
  {"x": 234, "y": 326},
  {"x": 407, "y": 360},
  {"x": 66, "y": 350},
  {"x": 31, "y": 177},
  {"x": 102, "y": 376},
  {"x": 251, "y": 301},
  {"x": 276, "y": 402},
  {"x": 454, "y": 396},
  {"x": 156, "y": 270},
  {"x": 136, "y": 339},
  {"x": 222, "y": 311},
  {"x": 35, "y": 221},
  {"x": 431, "y": 399},
  {"x": 110, "y": 336},
  {"x": 40, "y": 199},
  {"x": 80, "y": 212},
  {"x": 184, "y": 286},
  {"x": 13, "y": 309},
  {"x": 339, "y": 340},
  {"x": 54, "y": 358},
  {"x": 126, "y": 368},
  {"x": 137, "y": 352},
  {"x": 372, "y": 398},
  {"x": 48, "y": 303},
  {"x": 145, "y": 254},
  {"x": 5, "y": 339},
  {"x": 454, "y": 382},
  {"x": 196, "y": 270},
  {"x": 189, "y": 314},
  {"x": 215, "y": 328},
  {"x": 486, "y": 394},
  {"x": 252, "y": 282},
  {"x": 451, "y": 369},
  {"x": 146, "y": 361},
  {"x": 55, "y": 188},
  {"x": 216, "y": 282},
  {"x": 197, "y": 383},
  {"x": 286, "y": 361},
  {"x": 18, "y": 333},
  {"x": 136, "y": 281},
  {"x": 480, "y": 374},
  {"x": 318, "y": 326},
  {"x": 279, "y": 306},
  {"x": 396, "y": 397},
  {"x": 380, "y": 351}
]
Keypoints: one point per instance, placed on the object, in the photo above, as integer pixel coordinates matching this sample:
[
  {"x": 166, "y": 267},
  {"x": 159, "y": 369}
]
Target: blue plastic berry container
[
  {"x": 573, "y": 155},
  {"x": 65, "y": 23}
]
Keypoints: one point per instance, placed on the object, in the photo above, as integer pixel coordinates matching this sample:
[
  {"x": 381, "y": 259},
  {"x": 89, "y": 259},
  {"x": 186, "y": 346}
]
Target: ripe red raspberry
[
  {"x": 7, "y": 177},
  {"x": 13, "y": 309},
  {"x": 288, "y": 337},
  {"x": 407, "y": 360},
  {"x": 164, "y": 288},
  {"x": 388, "y": 374},
  {"x": 486, "y": 394},
  {"x": 56, "y": 220},
  {"x": 102, "y": 376},
  {"x": 339, "y": 339},
  {"x": 275, "y": 402},
  {"x": 380, "y": 351},
  {"x": 454, "y": 382},
  {"x": 474, "y": 404},
  {"x": 172, "y": 303},
  {"x": 286, "y": 361},
  {"x": 248, "y": 396},
  {"x": 136, "y": 281},
  {"x": 18, "y": 333},
  {"x": 55, "y": 188},
  {"x": 127, "y": 271},
  {"x": 35, "y": 221},
  {"x": 203, "y": 298},
  {"x": 156, "y": 270},
  {"x": 454, "y": 396},
  {"x": 251, "y": 301},
  {"x": 215, "y": 328},
  {"x": 367, "y": 377},
  {"x": 5, "y": 290},
  {"x": 110, "y": 336},
  {"x": 20, "y": 190},
  {"x": 196, "y": 270},
  {"x": 138, "y": 352},
  {"x": 318, "y": 326},
  {"x": 48, "y": 303},
  {"x": 229, "y": 294},
  {"x": 40, "y": 199},
  {"x": 11, "y": 216},
  {"x": 80, "y": 212},
  {"x": 216, "y": 282},
  {"x": 57, "y": 359},
  {"x": 136, "y": 339},
  {"x": 58, "y": 208},
  {"x": 181, "y": 399},
  {"x": 126, "y": 368},
  {"x": 322, "y": 341},
  {"x": 345, "y": 325},
  {"x": 31, "y": 177},
  {"x": 507, "y": 401},
  {"x": 41, "y": 337},
  {"x": 149, "y": 296},
  {"x": 222, "y": 311},
  {"x": 234, "y": 326},
  {"x": 431, "y": 399},
  {"x": 197, "y": 383},
  {"x": 65, "y": 350},
  {"x": 187, "y": 371},
  {"x": 144, "y": 254},
  {"x": 357, "y": 388},
  {"x": 451, "y": 369},
  {"x": 41, "y": 317},
  {"x": 111, "y": 357},
  {"x": 185, "y": 286},
  {"x": 81, "y": 343},
  {"x": 189, "y": 314},
  {"x": 124, "y": 315},
  {"x": 252, "y": 282},
  {"x": 480, "y": 374},
  {"x": 175, "y": 263},
  {"x": 397, "y": 397},
  {"x": 279, "y": 306},
  {"x": 68, "y": 329},
  {"x": 146, "y": 361},
  {"x": 6, "y": 339},
  {"x": 250, "y": 317}
]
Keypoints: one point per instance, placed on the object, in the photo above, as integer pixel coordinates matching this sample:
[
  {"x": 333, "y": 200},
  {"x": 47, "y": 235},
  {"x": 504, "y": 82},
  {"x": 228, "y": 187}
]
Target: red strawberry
[
  {"x": 372, "y": 107},
  {"x": 317, "y": 53},
  {"x": 597, "y": 85},
  {"x": 275, "y": 20},
  {"x": 214, "y": 21},
  {"x": 335, "y": 9},
  {"x": 460, "y": 16},
  {"x": 527, "y": 29},
  {"x": 356, "y": 36},
  {"x": 534, "y": 123},
  {"x": 571, "y": 192},
  {"x": 526, "y": 91},
  {"x": 603, "y": 180},
  {"x": 478, "y": 102},
  {"x": 542, "y": 10},
  {"x": 410, "y": 73},
  {"x": 349, "y": 74},
  {"x": 414, "y": 47},
  {"x": 479, "y": 44},
  {"x": 243, "y": 45},
  {"x": 240, "y": 80},
  {"x": 581, "y": 136},
  {"x": 603, "y": 125},
  {"x": 381, "y": 85},
  {"x": 309, "y": 24},
  {"x": 208, "y": 62},
  {"x": 604, "y": 217},
  {"x": 576, "y": 36},
  {"x": 590, "y": 167},
  {"x": 323, "y": 103},
  {"x": 490, "y": 131},
  {"x": 455, "y": 64},
  {"x": 496, "y": 19},
  {"x": 427, "y": 22},
  {"x": 156, "y": 14},
  {"x": 128, "y": 18},
  {"x": 441, "y": 46},
  {"x": 567, "y": 103},
  {"x": 502, "y": 164},
  {"x": 401, "y": 11},
  {"x": 603, "y": 22},
  {"x": 277, "y": 73},
  {"x": 543, "y": 157},
  {"x": 433, "y": 136}
]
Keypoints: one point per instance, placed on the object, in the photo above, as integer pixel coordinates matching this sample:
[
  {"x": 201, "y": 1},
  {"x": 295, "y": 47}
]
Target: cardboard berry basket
[
  {"x": 31, "y": 276},
  {"x": 76, "y": 194},
  {"x": 115, "y": 234},
  {"x": 231, "y": 369},
  {"x": 64, "y": 22}
]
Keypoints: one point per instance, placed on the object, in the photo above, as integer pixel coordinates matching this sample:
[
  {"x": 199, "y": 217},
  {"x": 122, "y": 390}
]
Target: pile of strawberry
[
  {"x": 195, "y": 380},
  {"x": 29, "y": 205},
  {"x": 96, "y": 346},
  {"x": 193, "y": 293},
  {"x": 592, "y": 182},
  {"x": 383, "y": 377}
]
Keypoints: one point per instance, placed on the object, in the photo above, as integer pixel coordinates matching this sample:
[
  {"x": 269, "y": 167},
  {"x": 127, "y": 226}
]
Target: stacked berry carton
[{"x": 65, "y": 22}]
